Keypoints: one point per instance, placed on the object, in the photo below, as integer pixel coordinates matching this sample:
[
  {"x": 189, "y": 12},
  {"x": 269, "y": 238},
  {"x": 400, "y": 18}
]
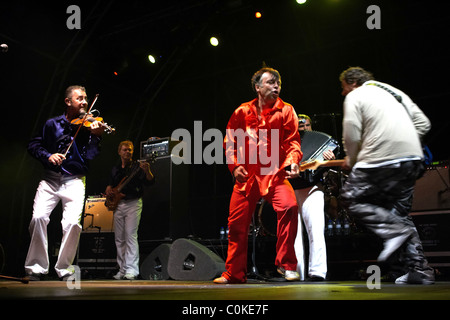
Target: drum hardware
[{"x": 254, "y": 274}]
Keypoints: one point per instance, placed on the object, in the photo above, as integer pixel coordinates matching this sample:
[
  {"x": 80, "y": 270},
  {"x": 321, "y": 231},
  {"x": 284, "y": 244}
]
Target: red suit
[{"x": 274, "y": 136}]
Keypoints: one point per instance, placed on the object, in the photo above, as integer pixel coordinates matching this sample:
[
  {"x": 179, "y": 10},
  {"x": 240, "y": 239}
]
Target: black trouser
[{"x": 381, "y": 198}]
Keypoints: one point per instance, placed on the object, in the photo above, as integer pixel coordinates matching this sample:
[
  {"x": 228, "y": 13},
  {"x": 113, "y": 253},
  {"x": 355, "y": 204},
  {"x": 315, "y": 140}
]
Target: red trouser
[{"x": 242, "y": 208}]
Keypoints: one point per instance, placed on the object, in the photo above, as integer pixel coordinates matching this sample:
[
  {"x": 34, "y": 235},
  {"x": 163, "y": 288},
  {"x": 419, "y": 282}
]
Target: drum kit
[
  {"x": 331, "y": 185},
  {"x": 314, "y": 143}
]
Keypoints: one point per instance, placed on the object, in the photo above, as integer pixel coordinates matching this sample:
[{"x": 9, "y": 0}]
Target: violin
[{"x": 87, "y": 119}]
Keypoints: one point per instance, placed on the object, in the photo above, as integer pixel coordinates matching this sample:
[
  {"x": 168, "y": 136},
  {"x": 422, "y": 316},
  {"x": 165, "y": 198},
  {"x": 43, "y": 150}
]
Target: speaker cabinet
[
  {"x": 97, "y": 251},
  {"x": 432, "y": 191},
  {"x": 166, "y": 208},
  {"x": 155, "y": 265},
  {"x": 97, "y": 218},
  {"x": 190, "y": 260},
  {"x": 434, "y": 229}
]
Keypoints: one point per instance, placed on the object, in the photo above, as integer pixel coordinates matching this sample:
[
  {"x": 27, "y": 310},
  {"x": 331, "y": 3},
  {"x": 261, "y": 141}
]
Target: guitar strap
[
  {"x": 396, "y": 96},
  {"x": 427, "y": 154}
]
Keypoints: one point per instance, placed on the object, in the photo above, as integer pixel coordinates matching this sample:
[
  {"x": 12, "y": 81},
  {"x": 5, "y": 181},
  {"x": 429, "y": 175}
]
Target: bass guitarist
[{"x": 124, "y": 196}]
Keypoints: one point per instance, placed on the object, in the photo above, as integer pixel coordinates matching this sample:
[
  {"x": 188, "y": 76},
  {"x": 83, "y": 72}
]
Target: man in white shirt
[{"x": 382, "y": 132}]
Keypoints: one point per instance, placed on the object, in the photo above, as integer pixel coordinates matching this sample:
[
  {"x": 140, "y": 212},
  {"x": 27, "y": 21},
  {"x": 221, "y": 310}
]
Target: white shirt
[{"x": 378, "y": 130}]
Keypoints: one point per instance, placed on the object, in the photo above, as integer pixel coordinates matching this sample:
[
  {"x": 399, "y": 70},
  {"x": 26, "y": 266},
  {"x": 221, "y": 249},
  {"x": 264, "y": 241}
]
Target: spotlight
[
  {"x": 214, "y": 41},
  {"x": 151, "y": 58}
]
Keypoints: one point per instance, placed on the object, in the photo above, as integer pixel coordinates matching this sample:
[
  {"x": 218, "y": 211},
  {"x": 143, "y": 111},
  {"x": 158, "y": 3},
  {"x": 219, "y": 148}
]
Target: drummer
[{"x": 310, "y": 199}]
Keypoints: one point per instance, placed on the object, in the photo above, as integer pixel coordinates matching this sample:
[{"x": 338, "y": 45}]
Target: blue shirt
[{"x": 55, "y": 137}]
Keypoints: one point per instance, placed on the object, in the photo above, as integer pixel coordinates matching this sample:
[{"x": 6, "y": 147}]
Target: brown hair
[
  {"x": 355, "y": 75},
  {"x": 256, "y": 78}
]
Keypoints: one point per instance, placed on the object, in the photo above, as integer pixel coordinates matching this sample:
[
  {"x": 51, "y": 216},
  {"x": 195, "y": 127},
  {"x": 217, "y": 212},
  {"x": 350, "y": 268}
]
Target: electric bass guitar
[
  {"x": 116, "y": 196},
  {"x": 314, "y": 164}
]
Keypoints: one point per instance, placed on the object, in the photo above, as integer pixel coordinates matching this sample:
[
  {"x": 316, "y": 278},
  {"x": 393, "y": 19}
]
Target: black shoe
[
  {"x": 34, "y": 277},
  {"x": 67, "y": 277},
  {"x": 315, "y": 279}
]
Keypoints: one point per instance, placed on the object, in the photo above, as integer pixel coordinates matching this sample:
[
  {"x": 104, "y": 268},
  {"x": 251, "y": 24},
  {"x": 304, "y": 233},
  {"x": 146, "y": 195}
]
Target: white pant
[
  {"x": 126, "y": 224},
  {"x": 311, "y": 211},
  {"x": 52, "y": 189}
]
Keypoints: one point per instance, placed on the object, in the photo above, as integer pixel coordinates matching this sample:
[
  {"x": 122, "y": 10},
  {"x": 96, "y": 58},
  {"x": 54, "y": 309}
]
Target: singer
[
  {"x": 63, "y": 180},
  {"x": 266, "y": 112}
]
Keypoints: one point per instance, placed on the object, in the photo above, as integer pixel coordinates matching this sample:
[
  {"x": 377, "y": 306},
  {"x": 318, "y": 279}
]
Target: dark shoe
[
  {"x": 315, "y": 279},
  {"x": 67, "y": 277},
  {"x": 34, "y": 277}
]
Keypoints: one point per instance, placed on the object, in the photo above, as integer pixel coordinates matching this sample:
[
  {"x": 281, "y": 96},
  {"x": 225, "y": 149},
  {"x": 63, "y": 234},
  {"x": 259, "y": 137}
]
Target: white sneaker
[
  {"x": 289, "y": 275},
  {"x": 416, "y": 277},
  {"x": 129, "y": 276},
  {"x": 118, "y": 276}
]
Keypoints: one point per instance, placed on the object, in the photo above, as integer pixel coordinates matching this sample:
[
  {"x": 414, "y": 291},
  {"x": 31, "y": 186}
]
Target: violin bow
[{"x": 82, "y": 123}]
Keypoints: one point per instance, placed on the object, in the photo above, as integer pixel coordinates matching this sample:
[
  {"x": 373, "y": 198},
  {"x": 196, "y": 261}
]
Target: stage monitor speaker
[
  {"x": 96, "y": 216},
  {"x": 432, "y": 191},
  {"x": 155, "y": 265},
  {"x": 190, "y": 260},
  {"x": 166, "y": 207}
]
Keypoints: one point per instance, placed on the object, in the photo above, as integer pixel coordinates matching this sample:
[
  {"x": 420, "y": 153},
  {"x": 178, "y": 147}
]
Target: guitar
[
  {"x": 314, "y": 164},
  {"x": 113, "y": 200}
]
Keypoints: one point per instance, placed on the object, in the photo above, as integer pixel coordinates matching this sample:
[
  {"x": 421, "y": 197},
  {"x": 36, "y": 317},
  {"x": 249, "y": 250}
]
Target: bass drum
[{"x": 267, "y": 219}]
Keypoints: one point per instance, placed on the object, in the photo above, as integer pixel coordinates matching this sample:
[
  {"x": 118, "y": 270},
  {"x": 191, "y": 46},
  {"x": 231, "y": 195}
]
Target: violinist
[{"x": 65, "y": 158}]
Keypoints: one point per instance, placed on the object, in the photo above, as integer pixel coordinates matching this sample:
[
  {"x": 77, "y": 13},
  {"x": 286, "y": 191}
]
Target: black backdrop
[{"x": 193, "y": 81}]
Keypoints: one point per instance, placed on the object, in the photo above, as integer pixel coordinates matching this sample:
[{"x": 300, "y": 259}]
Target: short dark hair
[
  {"x": 256, "y": 78},
  {"x": 68, "y": 93},
  {"x": 356, "y": 75}
]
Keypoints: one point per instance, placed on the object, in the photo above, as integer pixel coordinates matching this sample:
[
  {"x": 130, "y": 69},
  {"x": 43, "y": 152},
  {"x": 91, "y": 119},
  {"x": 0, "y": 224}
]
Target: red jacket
[{"x": 272, "y": 143}]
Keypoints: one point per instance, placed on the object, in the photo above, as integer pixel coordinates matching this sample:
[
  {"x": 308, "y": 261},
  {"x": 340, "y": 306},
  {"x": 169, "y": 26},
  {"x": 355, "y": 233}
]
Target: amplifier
[
  {"x": 434, "y": 232},
  {"x": 432, "y": 191},
  {"x": 159, "y": 147},
  {"x": 96, "y": 216}
]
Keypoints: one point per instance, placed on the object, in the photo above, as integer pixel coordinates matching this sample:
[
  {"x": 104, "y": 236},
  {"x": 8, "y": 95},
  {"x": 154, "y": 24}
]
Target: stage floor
[{"x": 206, "y": 290}]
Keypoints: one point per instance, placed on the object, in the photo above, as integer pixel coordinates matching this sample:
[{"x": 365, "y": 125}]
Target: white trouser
[
  {"x": 52, "y": 189},
  {"x": 126, "y": 224},
  {"x": 311, "y": 211}
]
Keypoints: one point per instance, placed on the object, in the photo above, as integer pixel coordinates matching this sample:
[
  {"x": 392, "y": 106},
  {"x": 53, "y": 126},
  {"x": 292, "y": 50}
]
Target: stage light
[
  {"x": 151, "y": 58},
  {"x": 258, "y": 15},
  {"x": 214, "y": 41},
  {"x": 300, "y": 1}
]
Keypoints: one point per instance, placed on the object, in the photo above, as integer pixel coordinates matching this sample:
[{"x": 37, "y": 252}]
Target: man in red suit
[{"x": 262, "y": 146}]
